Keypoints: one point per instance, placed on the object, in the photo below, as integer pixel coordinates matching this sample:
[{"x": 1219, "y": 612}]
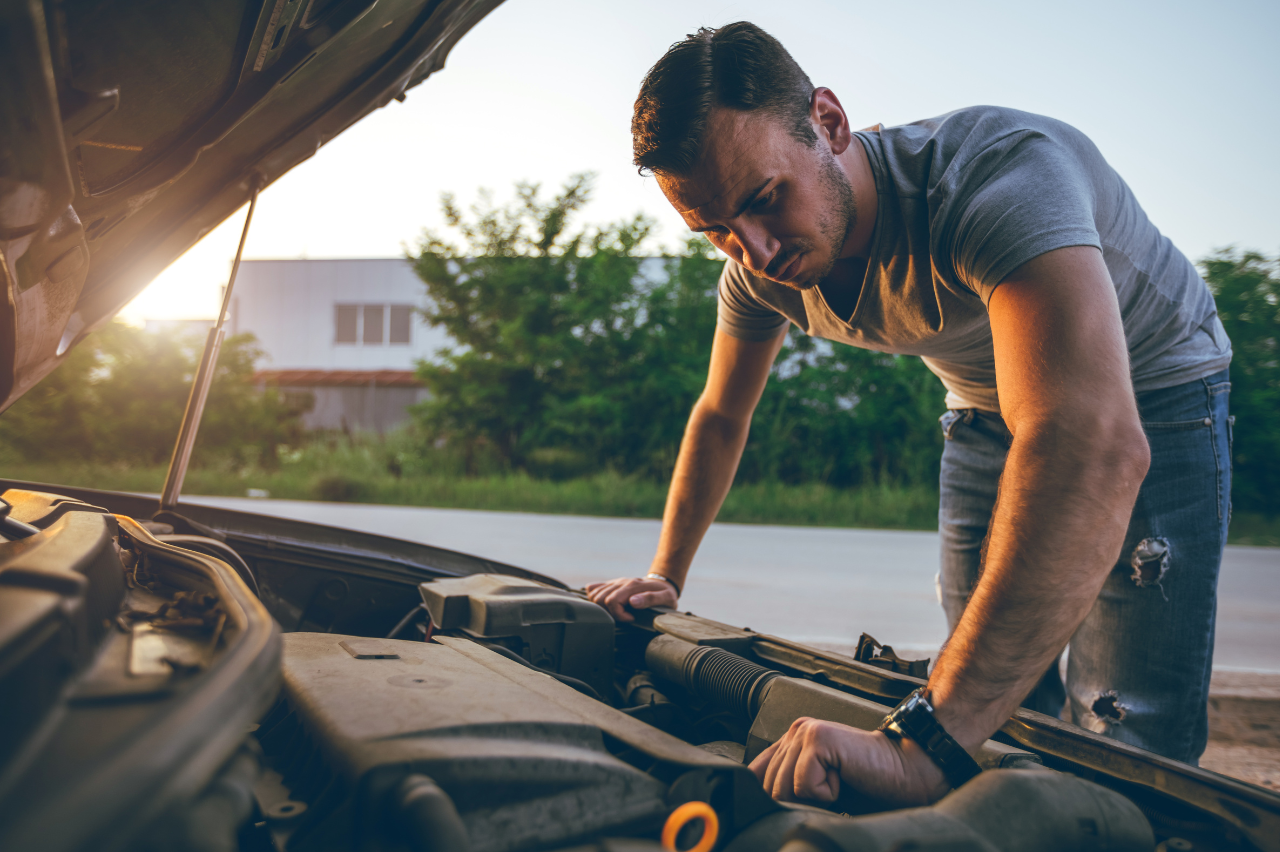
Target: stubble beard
[{"x": 840, "y": 219}]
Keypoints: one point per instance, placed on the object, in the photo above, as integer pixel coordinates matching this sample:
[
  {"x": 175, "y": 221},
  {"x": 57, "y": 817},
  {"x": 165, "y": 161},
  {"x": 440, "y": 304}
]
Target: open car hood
[{"x": 129, "y": 129}]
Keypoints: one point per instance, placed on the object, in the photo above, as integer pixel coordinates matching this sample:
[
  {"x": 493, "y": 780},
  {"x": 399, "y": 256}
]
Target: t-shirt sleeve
[
  {"x": 740, "y": 313},
  {"x": 1020, "y": 197}
]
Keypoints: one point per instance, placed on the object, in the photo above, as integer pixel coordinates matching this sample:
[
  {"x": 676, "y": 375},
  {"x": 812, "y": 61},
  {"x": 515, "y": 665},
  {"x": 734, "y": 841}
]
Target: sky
[{"x": 1180, "y": 97}]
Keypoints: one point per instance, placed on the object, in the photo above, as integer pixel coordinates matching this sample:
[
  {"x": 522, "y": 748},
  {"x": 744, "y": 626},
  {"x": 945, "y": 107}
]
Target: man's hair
[{"x": 738, "y": 66}]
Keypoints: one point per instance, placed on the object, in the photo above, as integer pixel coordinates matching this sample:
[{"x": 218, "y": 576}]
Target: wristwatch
[{"x": 914, "y": 719}]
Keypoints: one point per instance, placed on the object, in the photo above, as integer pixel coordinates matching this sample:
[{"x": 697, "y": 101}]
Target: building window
[
  {"x": 368, "y": 324},
  {"x": 344, "y": 323},
  {"x": 373, "y": 324},
  {"x": 401, "y": 324}
]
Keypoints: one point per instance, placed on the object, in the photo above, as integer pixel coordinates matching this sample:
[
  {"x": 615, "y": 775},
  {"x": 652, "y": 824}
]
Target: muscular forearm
[
  {"x": 1068, "y": 489},
  {"x": 708, "y": 459}
]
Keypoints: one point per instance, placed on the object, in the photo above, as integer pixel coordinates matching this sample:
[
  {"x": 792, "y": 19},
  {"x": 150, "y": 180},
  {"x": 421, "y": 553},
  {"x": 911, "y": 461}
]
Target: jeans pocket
[{"x": 953, "y": 417}]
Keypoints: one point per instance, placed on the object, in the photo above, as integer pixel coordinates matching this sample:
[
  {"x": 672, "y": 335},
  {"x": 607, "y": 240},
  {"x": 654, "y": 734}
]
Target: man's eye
[{"x": 765, "y": 200}]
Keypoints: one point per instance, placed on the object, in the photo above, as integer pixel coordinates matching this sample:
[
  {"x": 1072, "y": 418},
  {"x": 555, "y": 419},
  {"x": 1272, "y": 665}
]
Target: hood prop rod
[{"x": 203, "y": 379}]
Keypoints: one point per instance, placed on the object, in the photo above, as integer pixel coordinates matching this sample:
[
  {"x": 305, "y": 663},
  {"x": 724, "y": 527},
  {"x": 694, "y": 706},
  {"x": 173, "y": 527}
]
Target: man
[{"x": 1086, "y": 471}]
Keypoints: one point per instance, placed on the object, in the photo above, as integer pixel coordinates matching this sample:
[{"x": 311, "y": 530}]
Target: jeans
[{"x": 1138, "y": 666}]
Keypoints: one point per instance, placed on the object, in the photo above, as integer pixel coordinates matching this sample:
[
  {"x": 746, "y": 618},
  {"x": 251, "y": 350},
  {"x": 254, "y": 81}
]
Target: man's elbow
[
  {"x": 708, "y": 417},
  {"x": 1098, "y": 447},
  {"x": 1115, "y": 449},
  {"x": 1127, "y": 455}
]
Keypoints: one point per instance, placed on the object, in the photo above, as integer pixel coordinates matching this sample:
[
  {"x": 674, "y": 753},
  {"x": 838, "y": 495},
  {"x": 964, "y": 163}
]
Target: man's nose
[{"x": 759, "y": 248}]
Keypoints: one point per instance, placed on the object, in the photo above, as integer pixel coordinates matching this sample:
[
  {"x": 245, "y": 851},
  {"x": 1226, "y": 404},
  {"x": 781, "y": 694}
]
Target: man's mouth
[{"x": 789, "y": 271}]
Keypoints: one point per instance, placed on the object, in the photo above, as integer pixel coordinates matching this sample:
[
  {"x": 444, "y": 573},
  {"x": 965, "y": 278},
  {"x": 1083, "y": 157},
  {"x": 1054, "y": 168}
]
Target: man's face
[{"x": 780, "y": 208}]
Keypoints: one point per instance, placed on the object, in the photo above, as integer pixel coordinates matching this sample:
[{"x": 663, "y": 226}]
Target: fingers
[
  {"x": 761, "y": 764},
  {"x": 624, "y": 594},
  {"x": 610, "y": 596},
  {"x": 815, "y": 779},
  {"x": 800, "y": 765},
  {"x": 783, "y": 787},
  {"x": 662, "y": 597}
]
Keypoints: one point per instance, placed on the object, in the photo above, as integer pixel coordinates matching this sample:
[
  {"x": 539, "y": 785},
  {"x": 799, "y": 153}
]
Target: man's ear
[{"x": 833, "y": 124}]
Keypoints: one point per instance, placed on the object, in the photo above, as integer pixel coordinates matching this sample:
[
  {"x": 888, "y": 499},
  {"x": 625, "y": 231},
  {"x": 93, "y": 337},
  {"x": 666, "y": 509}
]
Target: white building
[{"x": 342, "y": 337}]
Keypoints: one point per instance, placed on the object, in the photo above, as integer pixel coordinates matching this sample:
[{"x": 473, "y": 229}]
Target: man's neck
[
  {"x": 843, "y": 285},
  {"x": 863, "y": 183}
]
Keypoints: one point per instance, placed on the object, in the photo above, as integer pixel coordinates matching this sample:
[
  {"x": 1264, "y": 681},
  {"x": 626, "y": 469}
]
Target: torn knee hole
[
  {"x": 1150, "y": 561},
  {"x": 1108, "y": 708}
]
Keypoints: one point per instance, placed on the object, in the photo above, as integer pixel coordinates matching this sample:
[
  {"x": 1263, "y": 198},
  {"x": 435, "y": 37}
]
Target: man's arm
[
  {"x": 1070, "y": 482},
  {"x": 1071, "y": 479},
  {"x": 709, "y": 456}
]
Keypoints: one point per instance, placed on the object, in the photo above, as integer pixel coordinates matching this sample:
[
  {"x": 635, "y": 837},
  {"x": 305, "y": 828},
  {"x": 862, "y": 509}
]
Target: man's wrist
[
  {"x": 914, "y": 719},
  {"x": 970, "y": 719},
  {"x": 654, "y": 575},
  {"x": 928, "y": 779}
]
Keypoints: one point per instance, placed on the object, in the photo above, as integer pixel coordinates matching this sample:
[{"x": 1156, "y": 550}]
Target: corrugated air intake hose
[{"x": 712, "y": 674}]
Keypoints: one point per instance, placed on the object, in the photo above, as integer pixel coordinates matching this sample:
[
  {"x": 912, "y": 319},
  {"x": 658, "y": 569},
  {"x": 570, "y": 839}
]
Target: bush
[
  {"x": 120, "y": 395},
  {"x": 340, "y": 488},
  {"x": 557, "y": 463}
]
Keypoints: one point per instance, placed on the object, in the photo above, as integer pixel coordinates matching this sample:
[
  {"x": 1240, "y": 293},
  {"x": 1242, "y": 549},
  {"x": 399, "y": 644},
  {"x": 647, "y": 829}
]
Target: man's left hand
[{"x": 814, "y": 758}]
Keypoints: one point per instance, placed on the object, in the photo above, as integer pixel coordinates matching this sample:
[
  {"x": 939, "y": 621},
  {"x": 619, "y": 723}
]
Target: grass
[
  {"x": 357, "y": 475},
  {"x": 604, "y": 494}
]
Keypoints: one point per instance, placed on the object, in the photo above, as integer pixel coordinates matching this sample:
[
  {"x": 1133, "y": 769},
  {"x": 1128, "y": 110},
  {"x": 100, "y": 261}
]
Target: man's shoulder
[
  {"x": 952, "y": 154},
  {"x": 984, "y": 120},
  {"x": 963, "y": 134},
  {"x": 754, "y": 308}
]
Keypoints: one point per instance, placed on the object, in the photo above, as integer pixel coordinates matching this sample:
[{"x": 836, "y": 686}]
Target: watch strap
[{"x": 914, "y": 719}]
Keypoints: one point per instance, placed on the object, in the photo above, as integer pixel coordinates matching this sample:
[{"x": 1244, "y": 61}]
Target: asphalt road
[{"x": 823, "y": 586}]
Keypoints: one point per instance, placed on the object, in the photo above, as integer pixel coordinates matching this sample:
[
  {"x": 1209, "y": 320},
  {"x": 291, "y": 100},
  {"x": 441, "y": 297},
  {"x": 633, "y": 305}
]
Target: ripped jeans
[{"x": 1138, "y": 666}]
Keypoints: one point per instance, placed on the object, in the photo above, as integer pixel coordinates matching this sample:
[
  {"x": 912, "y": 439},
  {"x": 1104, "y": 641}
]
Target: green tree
[
  {"x": 120, "y": 395},
  {"x": 565, "y": 349},
  {"x": 1246, "y": 286}
]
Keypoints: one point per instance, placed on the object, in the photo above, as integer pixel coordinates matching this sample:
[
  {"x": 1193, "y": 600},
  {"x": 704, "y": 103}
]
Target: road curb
[{"x": 1244, "y": 708}]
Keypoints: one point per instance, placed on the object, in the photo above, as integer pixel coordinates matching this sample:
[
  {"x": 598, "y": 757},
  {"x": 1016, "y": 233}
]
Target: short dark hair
[{"x": 738, "y": 66}]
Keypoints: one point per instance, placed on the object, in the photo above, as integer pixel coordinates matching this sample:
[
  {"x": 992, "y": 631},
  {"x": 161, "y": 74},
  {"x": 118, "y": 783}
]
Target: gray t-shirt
[{"x": 964, "y": 200}]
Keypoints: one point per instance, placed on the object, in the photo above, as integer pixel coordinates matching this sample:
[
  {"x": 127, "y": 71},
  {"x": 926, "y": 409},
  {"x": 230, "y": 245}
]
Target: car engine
[{"x": 217, "y": 681}]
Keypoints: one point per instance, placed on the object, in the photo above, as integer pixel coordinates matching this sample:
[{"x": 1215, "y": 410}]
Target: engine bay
[{"x": 218, "y": 681}]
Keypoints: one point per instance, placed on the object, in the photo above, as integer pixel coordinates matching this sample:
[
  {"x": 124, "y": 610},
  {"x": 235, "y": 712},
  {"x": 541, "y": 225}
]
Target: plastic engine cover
[
  {"x": 552, "y": 628},
  {"x": 527, "y": 762}
]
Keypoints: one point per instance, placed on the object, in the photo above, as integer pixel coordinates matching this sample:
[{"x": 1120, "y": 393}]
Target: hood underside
[{"x": 129, "y": 129}]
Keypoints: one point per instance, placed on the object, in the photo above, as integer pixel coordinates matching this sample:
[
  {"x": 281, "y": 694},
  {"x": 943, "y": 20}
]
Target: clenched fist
[{"x": 814, "y": 758}]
